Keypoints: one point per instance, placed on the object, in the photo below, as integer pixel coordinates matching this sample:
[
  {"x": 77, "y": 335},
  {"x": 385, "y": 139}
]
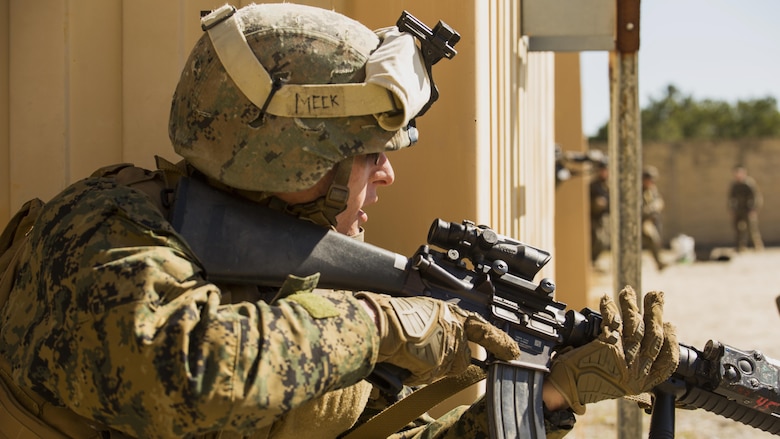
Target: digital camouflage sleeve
[{"x": 111, "y": 316}]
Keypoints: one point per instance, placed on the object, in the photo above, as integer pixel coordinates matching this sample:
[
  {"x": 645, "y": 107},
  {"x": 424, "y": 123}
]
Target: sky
[{"x": 725, "y": 50}]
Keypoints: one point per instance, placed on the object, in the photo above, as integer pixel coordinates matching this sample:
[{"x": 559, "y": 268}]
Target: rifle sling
[{"x": 393, "y": 418}]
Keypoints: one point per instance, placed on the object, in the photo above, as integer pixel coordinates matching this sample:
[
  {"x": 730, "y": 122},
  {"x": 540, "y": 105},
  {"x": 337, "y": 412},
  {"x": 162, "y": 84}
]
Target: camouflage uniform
[
  {"x": 652, "y": 207},
  {"x": 110, "y": 316},
  {"x": 744, "y": 201},
  {"x": 599, "y": 214}
]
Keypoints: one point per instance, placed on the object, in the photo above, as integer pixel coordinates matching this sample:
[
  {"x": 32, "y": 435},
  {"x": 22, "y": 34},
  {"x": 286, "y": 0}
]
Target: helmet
[
  {"x": 650, "y": 172},
  {"x": 273, "y": 96}
]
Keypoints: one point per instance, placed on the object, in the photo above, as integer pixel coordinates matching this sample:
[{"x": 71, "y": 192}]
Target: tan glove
[
  {"x": 630, "y": 356},
  {"x": 429, "y": 338}
]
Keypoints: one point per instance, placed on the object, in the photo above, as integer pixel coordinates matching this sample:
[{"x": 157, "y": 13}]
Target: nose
[{"x": 383, "y": 171}]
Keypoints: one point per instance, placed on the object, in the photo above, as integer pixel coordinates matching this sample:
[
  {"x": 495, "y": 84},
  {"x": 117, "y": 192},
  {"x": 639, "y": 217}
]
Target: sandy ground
[{"x": 730, "y": 301}]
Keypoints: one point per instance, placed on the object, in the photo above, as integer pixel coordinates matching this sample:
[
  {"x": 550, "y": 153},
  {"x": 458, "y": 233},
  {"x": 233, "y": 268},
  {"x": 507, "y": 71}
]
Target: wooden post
[{"x": 625, "y": 153}]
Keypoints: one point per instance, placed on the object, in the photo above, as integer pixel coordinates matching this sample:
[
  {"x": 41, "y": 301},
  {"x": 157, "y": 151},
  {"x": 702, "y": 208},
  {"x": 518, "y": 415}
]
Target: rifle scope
[{"x": 482, "y": 245}]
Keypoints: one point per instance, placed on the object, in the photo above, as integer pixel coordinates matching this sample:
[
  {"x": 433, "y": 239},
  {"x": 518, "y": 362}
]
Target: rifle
[{"x": 238, "y": 241}]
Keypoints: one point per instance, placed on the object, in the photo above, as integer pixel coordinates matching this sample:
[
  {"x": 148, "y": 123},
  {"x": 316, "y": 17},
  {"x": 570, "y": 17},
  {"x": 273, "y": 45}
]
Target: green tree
[{"x": 676, "y": 116}]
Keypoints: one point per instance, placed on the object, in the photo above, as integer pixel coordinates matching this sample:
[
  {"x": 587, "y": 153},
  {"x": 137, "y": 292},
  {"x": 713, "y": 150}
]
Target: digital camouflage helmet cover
[{"x": 273, "y": 96}]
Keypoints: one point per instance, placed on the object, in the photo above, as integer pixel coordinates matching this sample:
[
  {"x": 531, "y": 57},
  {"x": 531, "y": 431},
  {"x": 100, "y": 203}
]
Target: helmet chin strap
[{"x": 324, "y": 209}]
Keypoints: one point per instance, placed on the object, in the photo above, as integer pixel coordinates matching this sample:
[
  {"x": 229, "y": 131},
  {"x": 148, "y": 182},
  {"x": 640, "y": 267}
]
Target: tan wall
[
  {"x": 5, "y": 167},
  {"x": 572, "y": 239},
  {"x": 90, "y": 84},
  {"x": 694, "y": 181}
]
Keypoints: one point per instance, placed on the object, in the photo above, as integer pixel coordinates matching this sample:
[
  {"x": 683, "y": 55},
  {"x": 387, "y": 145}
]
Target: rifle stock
[{"x": 241, "y": 242}]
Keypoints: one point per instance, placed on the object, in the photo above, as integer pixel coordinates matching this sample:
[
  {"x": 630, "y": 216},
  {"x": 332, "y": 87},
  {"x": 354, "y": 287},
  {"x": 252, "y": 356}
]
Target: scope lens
[{"x": 444, "y": 233}]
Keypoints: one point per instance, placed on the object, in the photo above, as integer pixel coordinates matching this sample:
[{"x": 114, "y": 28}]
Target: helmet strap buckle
[{"x": 217, "y": 16}]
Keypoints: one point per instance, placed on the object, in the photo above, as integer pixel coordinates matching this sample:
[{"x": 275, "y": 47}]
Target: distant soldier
[
  {"x": 744, "y": 201},
  {"x": 599, "y": 212},
  {"x": 652, "y": 207}
]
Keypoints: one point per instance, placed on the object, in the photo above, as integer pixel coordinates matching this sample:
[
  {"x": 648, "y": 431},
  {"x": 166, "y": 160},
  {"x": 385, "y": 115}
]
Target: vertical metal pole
[{"x": 625, "y": 153}]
